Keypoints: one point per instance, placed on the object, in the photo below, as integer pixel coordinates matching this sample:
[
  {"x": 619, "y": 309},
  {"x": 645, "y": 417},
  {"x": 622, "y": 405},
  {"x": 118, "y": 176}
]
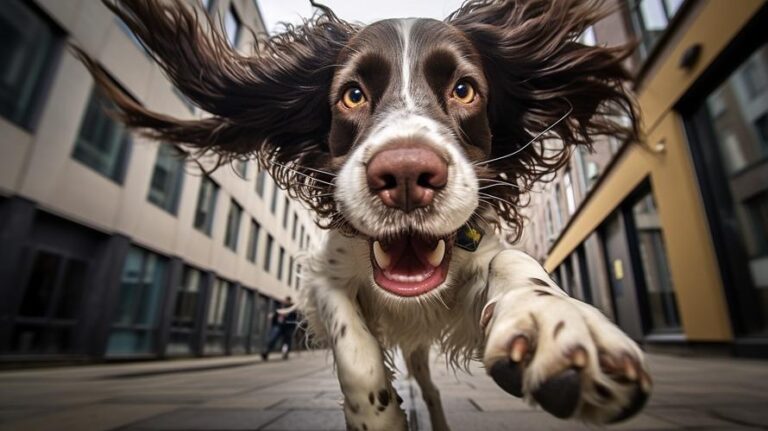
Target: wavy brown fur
[
  {"x": 274, "y": 104},
  {"x": 536, "y": 72}
]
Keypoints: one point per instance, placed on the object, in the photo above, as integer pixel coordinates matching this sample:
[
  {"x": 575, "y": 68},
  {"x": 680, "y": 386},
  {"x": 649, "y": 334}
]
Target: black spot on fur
[
  {"x": 365, "y": 427},
  {"x": 340, "y": 250},
  {"x": 542, "y": 293},
  {"x": 384, "y": 397},
  {"x": 343, "y": 330},
  {"x": 354, "y": 408},
  {"x": 430, "y": 403},
  {"x": 381, "y": 408},
  {"x": 370, "y": 397},
  {"x": 399, "y": 399},
  {"x": 559, "y": 327},
  {"x": 333, "y": 261},
  {"x": 539, "y": 282}
]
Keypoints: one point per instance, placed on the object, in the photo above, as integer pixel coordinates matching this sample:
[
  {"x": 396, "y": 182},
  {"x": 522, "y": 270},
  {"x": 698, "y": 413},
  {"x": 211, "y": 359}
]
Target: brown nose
[{"x": 407, "y": 176}]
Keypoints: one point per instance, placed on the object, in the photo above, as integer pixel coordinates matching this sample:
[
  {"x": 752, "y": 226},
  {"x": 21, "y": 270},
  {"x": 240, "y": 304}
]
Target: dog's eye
[
  {"x": 353, "y": 97},
  {"x": 464, "y": 92}
]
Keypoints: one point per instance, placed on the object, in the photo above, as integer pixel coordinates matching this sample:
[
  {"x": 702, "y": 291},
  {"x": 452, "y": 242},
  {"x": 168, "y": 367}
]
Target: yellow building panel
[{"x": 690, "y": 251}]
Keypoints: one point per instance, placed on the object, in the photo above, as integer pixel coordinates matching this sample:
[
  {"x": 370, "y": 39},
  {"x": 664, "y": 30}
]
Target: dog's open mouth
[{"x": 410, "y": 265}]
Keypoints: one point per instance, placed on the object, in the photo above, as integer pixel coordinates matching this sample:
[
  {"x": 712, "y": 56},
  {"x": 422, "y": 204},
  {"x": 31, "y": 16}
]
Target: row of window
[{"x": 207, "y": 314}]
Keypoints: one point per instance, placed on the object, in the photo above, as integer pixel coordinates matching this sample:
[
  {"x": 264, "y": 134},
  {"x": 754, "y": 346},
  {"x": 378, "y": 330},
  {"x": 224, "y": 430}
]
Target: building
[
  {"x": 112, "y": 247},
  {"x": 670, "y": 237}
]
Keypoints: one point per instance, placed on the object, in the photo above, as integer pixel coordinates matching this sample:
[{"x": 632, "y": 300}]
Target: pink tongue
[{"x": 409, "y": 256}]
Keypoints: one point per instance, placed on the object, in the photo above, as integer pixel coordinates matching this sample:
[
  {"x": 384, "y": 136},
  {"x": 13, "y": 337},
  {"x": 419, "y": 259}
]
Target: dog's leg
[
  {"x": 370, "y": 401},
  {"x": 418, "y": 366},
  {"x": 554, "y": 350}
]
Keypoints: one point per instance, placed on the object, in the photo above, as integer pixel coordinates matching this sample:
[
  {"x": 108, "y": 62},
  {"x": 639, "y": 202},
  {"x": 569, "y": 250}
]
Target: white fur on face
[{"x": 452, "y": 206}]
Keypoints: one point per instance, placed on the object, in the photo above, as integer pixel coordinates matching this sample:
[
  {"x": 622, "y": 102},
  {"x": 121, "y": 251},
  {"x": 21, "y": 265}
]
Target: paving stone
[
  {"x": 309, "y": 420},
  {"x": 317, "y": 403},
  {"x": 689, "y": 418},
  {"x": 250, "y": 402},
  {"x": 754, "y": 415},
  {"x": 501, "y": 404},
  {"x": 207, "y": 419},
  {"x": 89, "y": 418}
]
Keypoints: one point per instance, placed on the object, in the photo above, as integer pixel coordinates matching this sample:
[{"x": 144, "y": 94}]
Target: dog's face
[
  {"x": 409, "y": 117},
  {"x": 401, "y": 131}
]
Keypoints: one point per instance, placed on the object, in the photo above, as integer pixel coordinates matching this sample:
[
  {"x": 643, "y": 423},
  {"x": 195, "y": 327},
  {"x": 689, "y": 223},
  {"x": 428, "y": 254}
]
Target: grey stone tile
[
  {"x": 207, "y": 419},
  {"x": 688, "y": 417},
  {"x": 644, "y": 421},
  {"x": 308, "y": 404},
  {"x": 756, "y": 415},
  {"x": 309, "y": 420},
  {"x": 89, "y": 418}
]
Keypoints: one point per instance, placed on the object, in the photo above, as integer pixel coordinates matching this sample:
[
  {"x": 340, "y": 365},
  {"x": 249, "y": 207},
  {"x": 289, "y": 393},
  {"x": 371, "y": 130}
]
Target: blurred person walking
[{"x": 283, "y": 326}]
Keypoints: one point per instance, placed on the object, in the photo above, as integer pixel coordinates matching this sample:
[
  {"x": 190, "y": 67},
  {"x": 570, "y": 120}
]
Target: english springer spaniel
[{"x": 415, "y": 142}]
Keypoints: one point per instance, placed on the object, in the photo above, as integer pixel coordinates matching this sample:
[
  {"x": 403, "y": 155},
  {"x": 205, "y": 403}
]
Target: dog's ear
[
  {"x": 541, "y": 79},
  {"x": 272, "y": 104}
]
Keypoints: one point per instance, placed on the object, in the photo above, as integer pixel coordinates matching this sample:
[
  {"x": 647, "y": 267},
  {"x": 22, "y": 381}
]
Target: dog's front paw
[{"x": 564, "y": 355}]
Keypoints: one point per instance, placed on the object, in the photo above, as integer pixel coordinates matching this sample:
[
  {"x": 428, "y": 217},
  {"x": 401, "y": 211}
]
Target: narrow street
[{"x": 244, "y": 393}]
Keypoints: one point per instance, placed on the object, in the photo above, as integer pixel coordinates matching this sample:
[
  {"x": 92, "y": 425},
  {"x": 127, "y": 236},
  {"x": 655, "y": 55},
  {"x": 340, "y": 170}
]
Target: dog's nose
[{"x": 407, "y": 176}]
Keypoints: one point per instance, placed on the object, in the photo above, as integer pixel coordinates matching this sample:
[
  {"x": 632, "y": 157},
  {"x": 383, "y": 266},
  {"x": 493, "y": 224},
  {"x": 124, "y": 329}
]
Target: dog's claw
[
  {"x": 518, "y": 348},
  {"x": 560, "y": 394},
  {"x": 508, "y": 375},
  {"x": 638, "y": 401}
]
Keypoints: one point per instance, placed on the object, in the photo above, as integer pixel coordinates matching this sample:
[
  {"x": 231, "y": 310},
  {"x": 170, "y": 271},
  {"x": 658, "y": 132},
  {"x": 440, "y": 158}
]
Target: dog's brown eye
[
  {"x": 353, "y": 97},
  {"x": 464, "y": 92}
]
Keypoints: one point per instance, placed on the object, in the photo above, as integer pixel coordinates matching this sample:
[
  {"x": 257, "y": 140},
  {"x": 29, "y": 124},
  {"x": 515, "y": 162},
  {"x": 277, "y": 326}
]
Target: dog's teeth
[
  {"x": 381, "y": 256},
  {"x": 435, "y": 258}
]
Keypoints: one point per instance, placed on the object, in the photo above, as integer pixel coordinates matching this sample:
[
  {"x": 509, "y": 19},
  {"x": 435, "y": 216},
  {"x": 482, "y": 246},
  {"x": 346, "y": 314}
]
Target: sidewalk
[{"x": 244, "y": 393}]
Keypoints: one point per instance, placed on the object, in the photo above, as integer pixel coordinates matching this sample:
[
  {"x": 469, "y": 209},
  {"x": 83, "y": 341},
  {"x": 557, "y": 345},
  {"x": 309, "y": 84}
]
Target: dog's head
[{"x": 402, "y": 131}]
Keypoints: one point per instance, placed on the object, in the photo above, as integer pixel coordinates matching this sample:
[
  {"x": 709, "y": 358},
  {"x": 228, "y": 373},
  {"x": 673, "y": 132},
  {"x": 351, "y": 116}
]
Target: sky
[{"x": 364, "y": 11}]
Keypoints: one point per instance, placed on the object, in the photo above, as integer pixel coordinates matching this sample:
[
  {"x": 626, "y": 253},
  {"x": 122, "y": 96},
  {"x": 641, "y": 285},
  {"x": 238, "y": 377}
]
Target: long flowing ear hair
[
  {"x": 271, "y": 104},
  {"x": 544, "y": 86}
]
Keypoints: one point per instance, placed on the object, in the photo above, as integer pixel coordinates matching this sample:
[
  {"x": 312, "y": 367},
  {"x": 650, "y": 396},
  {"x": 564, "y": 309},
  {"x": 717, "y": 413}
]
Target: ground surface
[{"x": 244, "y": 393}]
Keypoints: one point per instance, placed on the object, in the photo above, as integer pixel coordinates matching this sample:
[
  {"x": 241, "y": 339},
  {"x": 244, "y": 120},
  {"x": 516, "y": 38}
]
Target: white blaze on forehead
[{"x": 405, "y": 32}]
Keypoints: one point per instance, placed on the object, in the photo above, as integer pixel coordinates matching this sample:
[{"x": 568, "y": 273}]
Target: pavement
[{"x": 245, "y": 393}]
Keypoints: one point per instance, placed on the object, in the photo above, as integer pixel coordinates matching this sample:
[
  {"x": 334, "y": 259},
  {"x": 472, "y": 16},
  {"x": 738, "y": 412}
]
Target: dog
[{"x": 415, "y": 142}]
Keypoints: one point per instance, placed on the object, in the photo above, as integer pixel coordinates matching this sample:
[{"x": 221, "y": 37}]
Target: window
[
  {"x": 301, "y": 237},
  {"x": 232, "y": 26},
  {"x": 29, "y": 50},
  {"x": 729, "y": 139},
  {"x": 50, "y": 305},
  {"x": 244, "y": 325},
  {"x": 184, "y": 320},
  {"x": 298, "y": 276},
  {"x": 570, "y": 200},
  {"x": 285, "y": 213},
  {"x": 167, "y": 179},
  {"x": 253, "y": 241},
  {"x": 134, "y": 325},
  {"x": 273, "y": 204},
  {"x": 260, "y": 182},
  {"x": 206, "y": 205},
  {"x": 290, "y": 271},
  {"x": 241, "y": 168},
  {"x": 218, "y": 315},
  {"x": 280, "y": 259},
  {"x": 653, "y": 258},
  {"x": 102, "y": 143},
  {"x": 268, "y": 255},
  {"x": 651, "y": 18},
  {"x": 588, "y": 37},
  {"x": 293, "y": 228},
  {"x": 233, "y": 225}
]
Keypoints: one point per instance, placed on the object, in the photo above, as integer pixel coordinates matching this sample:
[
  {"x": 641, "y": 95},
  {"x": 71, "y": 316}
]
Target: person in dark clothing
[{"x": 283, "y": 326}]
